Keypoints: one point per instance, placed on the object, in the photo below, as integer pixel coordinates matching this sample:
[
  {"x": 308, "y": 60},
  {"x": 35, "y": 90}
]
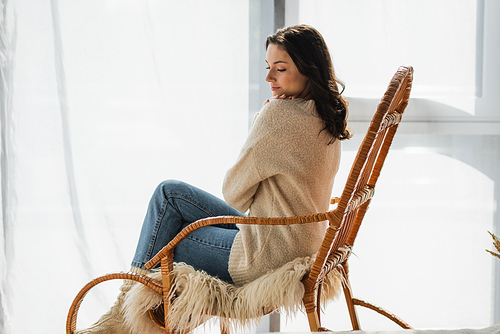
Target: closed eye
[{"x": 279, "y": 70}]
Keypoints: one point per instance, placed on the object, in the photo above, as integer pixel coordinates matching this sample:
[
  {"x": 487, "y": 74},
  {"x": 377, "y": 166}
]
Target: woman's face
[{"x": 283, "y": 75}]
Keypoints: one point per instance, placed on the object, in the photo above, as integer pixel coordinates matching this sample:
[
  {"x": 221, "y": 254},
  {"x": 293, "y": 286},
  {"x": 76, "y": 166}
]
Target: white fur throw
[{"x": 201, "y": 296}]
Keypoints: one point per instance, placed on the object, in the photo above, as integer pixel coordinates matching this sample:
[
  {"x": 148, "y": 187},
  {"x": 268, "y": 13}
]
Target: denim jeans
[{"x": 173, "y": 206}]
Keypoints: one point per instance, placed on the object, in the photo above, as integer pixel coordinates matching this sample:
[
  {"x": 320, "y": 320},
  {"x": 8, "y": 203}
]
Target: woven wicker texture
[{"x": 345, "y": 220}]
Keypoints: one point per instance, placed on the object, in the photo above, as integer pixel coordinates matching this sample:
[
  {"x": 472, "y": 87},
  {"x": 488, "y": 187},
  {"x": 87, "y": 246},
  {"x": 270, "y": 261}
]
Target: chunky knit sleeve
[
  {"x": 242, "y": 180},
  {"x": 272, "y": 149}
]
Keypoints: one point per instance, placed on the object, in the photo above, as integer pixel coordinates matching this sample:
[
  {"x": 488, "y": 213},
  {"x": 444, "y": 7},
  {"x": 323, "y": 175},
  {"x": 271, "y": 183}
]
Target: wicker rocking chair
[{"x": 344, "y": 222}]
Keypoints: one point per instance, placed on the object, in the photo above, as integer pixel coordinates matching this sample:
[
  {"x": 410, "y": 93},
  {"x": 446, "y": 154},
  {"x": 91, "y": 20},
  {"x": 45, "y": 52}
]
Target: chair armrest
[{"x": 233, "y": 220}]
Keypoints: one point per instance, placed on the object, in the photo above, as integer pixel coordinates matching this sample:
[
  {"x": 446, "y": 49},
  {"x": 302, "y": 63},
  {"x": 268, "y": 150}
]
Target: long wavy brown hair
[{"x": 309, "y": 52}]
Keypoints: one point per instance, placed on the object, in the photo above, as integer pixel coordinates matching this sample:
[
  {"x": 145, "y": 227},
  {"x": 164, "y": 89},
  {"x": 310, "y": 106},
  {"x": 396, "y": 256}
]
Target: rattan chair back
[{"x": 346, "y": 219}]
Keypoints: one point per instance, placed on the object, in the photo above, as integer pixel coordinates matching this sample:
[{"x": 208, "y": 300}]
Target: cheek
[
  {"x": 292, "y": 81},
  {"x": 303, "y": 81},
  {"x": 300, "y": 83}
]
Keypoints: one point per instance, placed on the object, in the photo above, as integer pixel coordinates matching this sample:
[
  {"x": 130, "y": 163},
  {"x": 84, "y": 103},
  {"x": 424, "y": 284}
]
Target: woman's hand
[{"x": 281, "y": 97}]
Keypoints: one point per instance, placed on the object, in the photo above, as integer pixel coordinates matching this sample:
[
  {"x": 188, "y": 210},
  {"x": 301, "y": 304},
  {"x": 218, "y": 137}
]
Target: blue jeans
[{"x": 173, "y": 206}]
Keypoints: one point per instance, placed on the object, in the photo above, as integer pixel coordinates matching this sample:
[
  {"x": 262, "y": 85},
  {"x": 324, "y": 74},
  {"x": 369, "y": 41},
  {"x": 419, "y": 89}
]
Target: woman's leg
[{"x": 173, "y": 206}]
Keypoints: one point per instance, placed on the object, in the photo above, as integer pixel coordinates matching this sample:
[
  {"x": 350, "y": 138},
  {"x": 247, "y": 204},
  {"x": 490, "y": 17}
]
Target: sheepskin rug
[{"x": 199, "y": 297}]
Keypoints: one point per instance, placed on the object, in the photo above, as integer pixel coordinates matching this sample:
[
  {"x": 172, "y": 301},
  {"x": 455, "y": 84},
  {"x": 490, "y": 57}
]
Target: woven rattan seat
[{"x": 344, "y": 221}]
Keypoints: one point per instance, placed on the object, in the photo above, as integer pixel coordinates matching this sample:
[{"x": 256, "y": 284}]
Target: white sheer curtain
[{"x": 102, "y": 100}]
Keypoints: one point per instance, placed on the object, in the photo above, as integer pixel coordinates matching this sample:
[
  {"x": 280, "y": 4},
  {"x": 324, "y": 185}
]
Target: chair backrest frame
[{"x": 346, "y": 219}]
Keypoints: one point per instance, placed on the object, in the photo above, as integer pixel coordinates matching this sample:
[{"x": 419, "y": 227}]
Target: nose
[{"x": 270, "y": 77}]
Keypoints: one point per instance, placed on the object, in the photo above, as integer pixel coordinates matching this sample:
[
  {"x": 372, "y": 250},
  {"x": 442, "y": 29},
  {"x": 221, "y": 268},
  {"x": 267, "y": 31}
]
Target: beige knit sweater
[{"x": 285, "y": 168}]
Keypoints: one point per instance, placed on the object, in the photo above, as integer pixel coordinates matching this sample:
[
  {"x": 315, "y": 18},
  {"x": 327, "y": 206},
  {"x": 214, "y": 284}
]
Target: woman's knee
[{"x": 168, "y": 187}]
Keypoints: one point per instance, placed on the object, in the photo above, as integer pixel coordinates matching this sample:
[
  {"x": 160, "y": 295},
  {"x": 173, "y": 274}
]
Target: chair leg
[
  {"x": 346, "y": 285},
  {"x": 166, "y": 306},
  {"x": 312, "y": 317},
  {"x": 318, "y": 303},
  {"x": 383, "y": 312},
  {"x": 166, "y": 268},
  {"x": 311, "y": 304}
]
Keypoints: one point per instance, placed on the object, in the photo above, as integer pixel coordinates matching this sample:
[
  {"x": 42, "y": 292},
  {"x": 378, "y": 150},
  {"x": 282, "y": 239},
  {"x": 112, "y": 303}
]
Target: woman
[{"x": 285, "y": 168}]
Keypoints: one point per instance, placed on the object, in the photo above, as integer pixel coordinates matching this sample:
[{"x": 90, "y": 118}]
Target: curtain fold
[
  {"x": 7, "y": 159},
  {"x": 62, "y": 96}
]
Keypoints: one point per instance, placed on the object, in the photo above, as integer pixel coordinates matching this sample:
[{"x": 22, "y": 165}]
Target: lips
[{"x": 274, "y": 88}]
